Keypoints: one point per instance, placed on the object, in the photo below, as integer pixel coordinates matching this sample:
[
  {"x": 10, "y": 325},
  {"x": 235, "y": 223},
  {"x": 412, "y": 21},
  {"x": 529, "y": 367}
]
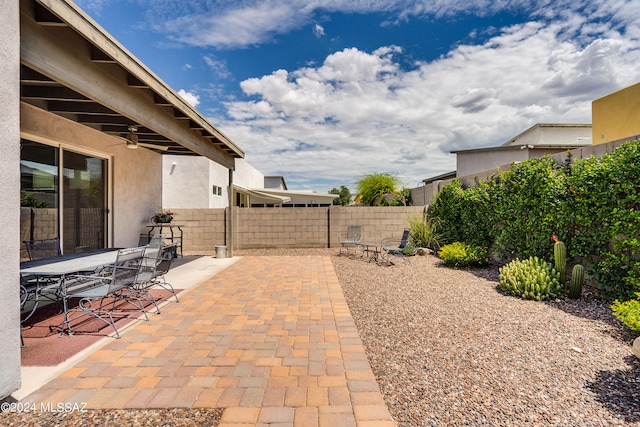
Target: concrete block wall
[
  {"x": 35, "y": 224},
  {"x": 280, "y": 228},
  {"x": 203, "y": 229},
  {"x": 377, "y": 222}
]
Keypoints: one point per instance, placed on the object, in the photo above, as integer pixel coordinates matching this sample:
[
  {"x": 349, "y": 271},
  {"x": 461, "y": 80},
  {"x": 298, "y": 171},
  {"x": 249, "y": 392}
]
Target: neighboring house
[
  {"x": 537, "y": 141},
  {"x": 195, "y": 182},
  {"x": 616, "y": 117},
  {"x": 89, "y": 125}
]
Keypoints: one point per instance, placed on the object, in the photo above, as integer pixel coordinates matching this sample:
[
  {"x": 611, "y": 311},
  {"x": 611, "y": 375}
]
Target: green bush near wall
[{"x": 593, "y": 205}]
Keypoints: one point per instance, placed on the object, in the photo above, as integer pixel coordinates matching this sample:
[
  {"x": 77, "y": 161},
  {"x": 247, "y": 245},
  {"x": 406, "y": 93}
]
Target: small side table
[
  {"x": 174, "y": 237},
  {"x": 371, "y": 250}
]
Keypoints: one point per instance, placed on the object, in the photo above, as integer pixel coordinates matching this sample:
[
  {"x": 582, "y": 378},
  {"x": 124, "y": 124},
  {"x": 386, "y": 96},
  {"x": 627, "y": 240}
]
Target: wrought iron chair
[
  {"x": 44, "y": 248},
  {"x": 113, "y": 282},
  {"x": 156, "y": 262},
  {"x": 350, "y": 243},
  {"x": 395, "y": 247},
  {"x": 166, "y": 256}
]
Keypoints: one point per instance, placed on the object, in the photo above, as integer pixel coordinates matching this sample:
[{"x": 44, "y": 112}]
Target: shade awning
[{"x": 262, "y": 196}]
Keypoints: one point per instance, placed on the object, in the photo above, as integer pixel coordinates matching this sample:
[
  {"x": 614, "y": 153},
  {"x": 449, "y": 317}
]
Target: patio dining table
[{"x": 43, "y": 272}]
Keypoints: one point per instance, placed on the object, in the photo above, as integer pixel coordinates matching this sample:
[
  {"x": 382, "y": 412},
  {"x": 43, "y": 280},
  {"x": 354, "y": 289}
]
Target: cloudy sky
[{"x": 322, "y": 92}]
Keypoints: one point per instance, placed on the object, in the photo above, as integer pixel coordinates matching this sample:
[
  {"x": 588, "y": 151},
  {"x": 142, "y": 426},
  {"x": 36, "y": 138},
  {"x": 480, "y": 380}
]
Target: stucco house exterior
[
  {"x": 197, "y": 182},
  {"x": 535, "y": 142},
  {"x": 84, "y": 130}
]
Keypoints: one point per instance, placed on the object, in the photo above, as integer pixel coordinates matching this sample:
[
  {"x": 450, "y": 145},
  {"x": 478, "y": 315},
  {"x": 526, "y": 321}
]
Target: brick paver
[{"x": 270, "y": 339}]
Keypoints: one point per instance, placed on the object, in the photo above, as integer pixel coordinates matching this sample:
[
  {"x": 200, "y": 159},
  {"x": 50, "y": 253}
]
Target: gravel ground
[{"x": 448, "y": 348}]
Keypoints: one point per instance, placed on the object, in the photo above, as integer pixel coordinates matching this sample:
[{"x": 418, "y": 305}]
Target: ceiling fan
[{"x": 131, "y": 140}]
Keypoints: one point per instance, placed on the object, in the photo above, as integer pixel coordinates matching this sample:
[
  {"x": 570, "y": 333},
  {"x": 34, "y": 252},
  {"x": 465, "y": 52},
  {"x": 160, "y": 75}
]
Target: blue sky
[{"x": 322, "y": 92}]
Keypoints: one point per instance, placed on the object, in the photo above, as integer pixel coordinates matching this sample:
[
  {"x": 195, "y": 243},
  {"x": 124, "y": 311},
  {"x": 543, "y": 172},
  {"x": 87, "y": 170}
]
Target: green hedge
[{"x": 593, "y": 205}]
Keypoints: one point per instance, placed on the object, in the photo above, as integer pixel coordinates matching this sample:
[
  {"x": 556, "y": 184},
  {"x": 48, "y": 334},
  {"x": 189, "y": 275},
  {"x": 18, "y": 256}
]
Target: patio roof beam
[
  {"x": 67, "y": 59},
  {"x": 52, "y": 93},
  {"x": 80, "y": 108}
]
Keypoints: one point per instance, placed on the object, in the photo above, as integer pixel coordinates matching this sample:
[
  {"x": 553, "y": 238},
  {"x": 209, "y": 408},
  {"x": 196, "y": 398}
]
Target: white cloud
[
  {"x": 192, "y": 98},
  {"x": 318, "y": 30},
  {"x": 217, "y": 66},
  {"x": 360, "y": 111}
]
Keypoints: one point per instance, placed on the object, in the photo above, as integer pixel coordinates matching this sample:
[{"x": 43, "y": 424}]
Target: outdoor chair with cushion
[
  {"x": 44, "y": 248},
  {"x": 349, "y": 244},
  {"x": 395, "y": 247},
  {"x": 111, "y": 284}
]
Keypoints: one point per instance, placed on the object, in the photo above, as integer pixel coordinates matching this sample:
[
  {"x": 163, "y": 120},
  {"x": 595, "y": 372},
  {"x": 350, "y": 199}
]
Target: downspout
[{"x": 230, "y": 228}]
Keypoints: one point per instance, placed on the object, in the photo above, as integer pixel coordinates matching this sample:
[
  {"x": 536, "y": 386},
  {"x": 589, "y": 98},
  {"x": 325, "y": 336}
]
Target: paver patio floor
[{"x": 270, "y": 339}]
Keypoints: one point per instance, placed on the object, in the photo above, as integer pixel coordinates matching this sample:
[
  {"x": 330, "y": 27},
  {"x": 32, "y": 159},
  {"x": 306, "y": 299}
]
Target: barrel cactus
[
  {"x": 531, "y": 278},
  {"x": 560, "y": 257},
  {"x": 577, "y": 279}
]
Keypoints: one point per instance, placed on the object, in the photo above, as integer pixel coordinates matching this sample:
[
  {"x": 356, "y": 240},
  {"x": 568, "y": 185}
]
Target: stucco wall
[
  {"x": 9, "y": 194},
  {"x": 615, "y": 116},
  {"x": 247, "y": 175},
  {"x": 474, "y": 162},
  {"x": 136, "y": 191},
  {"x": 185, "y": 182}
]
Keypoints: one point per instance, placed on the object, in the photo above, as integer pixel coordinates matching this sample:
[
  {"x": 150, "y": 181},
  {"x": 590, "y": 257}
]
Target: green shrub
[
  {"x": 461, "y": 255},
  {"x": 409, "y": 250},
  {"x": 29, "y": 200},
  {"x": 424, "y": 233},
  {"x": 466, "y": 215},
  {"x": 531, "y": 278},
  {"x": 628, "y": 312}
]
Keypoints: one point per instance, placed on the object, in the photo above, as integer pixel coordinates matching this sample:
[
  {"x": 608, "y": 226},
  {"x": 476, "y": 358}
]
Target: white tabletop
[{"x": 81, "y": 263}]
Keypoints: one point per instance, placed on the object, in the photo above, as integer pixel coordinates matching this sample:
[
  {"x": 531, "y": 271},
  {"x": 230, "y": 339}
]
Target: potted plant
[{"x": 162, "y": 217}]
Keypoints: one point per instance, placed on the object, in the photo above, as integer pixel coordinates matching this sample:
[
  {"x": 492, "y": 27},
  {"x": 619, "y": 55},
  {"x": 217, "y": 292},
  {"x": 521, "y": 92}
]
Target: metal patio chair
[
  {"x": 43, "y": 248},
  {"x": 395, "y": 247},
  {"x": 349, "y": 244},
  {"x": 156, "y": 262},
  {"x": 113, "y": 282}
]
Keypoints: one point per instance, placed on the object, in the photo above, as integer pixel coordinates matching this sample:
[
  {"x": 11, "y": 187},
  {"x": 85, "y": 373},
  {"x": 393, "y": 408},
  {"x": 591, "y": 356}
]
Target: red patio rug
[{"x": 45, "y": 347}]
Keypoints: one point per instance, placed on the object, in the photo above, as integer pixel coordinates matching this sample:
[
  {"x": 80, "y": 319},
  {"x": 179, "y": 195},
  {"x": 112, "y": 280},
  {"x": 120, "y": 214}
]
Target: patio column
[
  {"x": 230, "y": 222},
  {"x": 10, "y": 190}
]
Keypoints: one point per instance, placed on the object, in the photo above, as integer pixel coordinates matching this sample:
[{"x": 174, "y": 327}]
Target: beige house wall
[{"x": 10, "y": 192}]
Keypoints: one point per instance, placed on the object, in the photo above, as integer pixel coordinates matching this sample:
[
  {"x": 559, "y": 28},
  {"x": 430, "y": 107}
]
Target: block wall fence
[{"x": 321, "y": 227}]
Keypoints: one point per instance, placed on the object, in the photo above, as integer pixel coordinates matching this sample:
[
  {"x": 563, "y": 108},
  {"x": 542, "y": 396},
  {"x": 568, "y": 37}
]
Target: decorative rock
[
  {"x": 423, "y": 251},
  {"x": 636, "y": 347}
]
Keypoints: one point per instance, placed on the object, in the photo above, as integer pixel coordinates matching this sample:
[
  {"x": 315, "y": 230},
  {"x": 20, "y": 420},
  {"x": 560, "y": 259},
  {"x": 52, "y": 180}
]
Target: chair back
[
  {"x": 148, "y": 264},
  {"x": 125, "y": 268},
  {"x": 166, "y": 257},
  {"x": 354, "y": 233},
  {"x": 405, "y": 238},
  {"x": 44, "y": 248}
]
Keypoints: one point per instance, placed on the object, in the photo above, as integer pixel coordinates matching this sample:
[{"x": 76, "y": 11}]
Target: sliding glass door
[
  {"x": 64, "y": 195},
  {"x": 84, "y": 202}
]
